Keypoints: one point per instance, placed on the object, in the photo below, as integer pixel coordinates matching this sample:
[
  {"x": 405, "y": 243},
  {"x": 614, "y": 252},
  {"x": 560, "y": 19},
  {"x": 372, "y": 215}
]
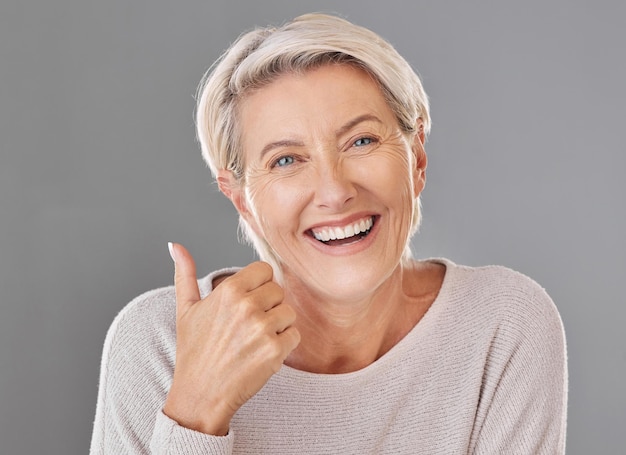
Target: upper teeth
[{"x": 338, "y": 233}]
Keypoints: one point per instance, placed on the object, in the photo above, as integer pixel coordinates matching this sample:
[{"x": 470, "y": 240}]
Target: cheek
[
  {"x": 275, "y": 201},
  {"x": 388, "y": 175},
  {"x": 392, "y": 182}
]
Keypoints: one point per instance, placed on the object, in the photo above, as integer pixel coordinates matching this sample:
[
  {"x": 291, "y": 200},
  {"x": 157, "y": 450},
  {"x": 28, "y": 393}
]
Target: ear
[
  {"x": 233, "y": 190},
  {"x": 421, "y": 160}
]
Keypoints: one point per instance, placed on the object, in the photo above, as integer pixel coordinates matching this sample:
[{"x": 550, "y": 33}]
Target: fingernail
[{"x": 170, "y": 246}]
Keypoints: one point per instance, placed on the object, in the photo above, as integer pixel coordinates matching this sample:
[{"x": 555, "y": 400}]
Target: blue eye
[
  {"x": 284, "y": 161},
  {"x": 363, "y": 141}
]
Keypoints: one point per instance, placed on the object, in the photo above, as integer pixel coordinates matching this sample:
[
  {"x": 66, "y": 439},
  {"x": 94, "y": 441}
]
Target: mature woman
[{"x": 337, "y": 341}]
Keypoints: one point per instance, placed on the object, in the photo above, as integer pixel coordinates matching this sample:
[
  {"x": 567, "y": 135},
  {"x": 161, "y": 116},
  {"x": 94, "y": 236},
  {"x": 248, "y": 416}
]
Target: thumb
[{"x": 185, "y": 282}]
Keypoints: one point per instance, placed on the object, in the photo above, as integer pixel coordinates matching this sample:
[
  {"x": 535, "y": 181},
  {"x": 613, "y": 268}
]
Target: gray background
[{"x": 99, "y": 169}]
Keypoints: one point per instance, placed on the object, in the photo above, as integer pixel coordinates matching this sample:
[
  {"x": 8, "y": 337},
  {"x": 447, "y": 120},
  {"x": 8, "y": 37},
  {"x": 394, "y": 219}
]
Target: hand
[{"x": 228, "y": 344}]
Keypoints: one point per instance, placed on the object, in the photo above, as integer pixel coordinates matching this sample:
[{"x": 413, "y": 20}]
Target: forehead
[{"x": 317, "y": 101}]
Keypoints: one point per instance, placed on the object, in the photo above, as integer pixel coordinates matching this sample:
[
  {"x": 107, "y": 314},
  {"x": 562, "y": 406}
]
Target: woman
[{"x": 337, "y": 341}]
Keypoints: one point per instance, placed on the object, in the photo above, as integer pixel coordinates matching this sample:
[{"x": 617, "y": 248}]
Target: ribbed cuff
[{"x": 169, "y": 438}]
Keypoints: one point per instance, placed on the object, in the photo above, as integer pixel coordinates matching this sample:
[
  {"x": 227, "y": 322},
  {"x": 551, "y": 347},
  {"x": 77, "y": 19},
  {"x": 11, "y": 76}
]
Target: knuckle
[
  {"x": 227, "y": 290},
  {"x": 248, "y": 305},
  {"x": 244, "y": 316},
  {"x": 276, "y": 290},
  {"x": 274, "y": 351},
  {"x": 294, "y": 337},
  {"x": 256, "y": 325},
  {"x": 284, "y": 315},
  {"x": 263, "y": 269},
  {"x": 266, "y": 346}
]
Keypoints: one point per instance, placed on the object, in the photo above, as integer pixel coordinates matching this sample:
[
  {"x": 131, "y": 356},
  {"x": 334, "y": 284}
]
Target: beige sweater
[{"x": 483, "y": 372}]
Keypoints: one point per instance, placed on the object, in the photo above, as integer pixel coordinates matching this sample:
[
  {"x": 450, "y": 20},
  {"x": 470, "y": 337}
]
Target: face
[{"x": 330, "y": 180}]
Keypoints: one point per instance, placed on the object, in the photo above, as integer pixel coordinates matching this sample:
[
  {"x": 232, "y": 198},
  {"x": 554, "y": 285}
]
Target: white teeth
[
  {"x": 349, "y": 230},
  {"x": 335, "y": 233}
]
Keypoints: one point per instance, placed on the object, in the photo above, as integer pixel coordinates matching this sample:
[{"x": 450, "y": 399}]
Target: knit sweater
[{"x": 483, "y": 372}]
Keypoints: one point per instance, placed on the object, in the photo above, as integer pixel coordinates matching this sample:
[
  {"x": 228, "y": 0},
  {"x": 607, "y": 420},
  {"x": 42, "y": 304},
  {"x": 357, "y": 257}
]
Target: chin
[{"x": 343, "y": 282}]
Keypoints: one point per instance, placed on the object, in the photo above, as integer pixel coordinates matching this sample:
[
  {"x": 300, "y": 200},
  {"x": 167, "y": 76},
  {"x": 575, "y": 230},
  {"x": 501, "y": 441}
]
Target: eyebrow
[
  {"x": 355, "y": 121},
  {"x": 280, "y": 144},
  {"x": 342, "y": 130}
]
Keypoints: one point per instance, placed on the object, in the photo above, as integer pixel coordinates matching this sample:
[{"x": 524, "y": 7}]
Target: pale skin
[{"x": 322, "y": 150}]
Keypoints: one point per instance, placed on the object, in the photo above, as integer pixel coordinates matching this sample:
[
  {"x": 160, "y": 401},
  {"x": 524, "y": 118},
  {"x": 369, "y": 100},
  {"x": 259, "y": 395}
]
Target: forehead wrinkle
[{"x": 370, "y": 114}]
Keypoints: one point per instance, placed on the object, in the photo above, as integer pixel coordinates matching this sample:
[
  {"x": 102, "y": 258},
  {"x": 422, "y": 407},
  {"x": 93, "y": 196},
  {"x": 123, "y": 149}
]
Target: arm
[
  {"x": 523, "y": 404},
  {"x": 172, "y": 378}
]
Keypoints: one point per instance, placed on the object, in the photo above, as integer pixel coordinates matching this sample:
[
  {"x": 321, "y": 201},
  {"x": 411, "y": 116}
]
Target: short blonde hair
[{"x": 258, "y": 57}]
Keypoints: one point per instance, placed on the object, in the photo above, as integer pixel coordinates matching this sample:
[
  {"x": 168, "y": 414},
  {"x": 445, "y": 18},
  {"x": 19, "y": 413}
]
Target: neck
[{"x": 344, "y": 336}]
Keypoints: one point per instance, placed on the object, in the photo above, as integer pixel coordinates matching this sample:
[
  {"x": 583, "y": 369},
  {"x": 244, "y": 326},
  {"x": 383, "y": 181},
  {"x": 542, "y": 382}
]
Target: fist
[{"x": 228, "y": 344}]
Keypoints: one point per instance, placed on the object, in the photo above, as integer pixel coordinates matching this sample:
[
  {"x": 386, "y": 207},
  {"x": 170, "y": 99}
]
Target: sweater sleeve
[
  {"x": 523, "y": 402},
  {"x": 136, "y": 371}
]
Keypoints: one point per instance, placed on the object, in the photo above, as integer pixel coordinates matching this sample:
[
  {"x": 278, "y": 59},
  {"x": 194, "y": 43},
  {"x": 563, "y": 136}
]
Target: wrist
[{"x": 213, "y": 420}]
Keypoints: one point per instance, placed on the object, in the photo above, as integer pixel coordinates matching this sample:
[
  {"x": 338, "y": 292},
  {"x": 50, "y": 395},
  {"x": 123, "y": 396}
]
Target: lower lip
[{"x": 350, "y": 248}]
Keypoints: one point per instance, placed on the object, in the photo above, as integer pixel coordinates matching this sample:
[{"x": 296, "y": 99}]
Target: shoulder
[
  {"x": 147, "y": 315},
  {"x": 498, "y": 289},
  {"x": 499, "y": 305},
  {"x": 506, "y": 316},
  {"x": 142, "y": 334}
]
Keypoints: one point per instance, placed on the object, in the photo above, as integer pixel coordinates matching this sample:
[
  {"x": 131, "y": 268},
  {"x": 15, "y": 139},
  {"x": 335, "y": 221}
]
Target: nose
[{"x": 334, "y": 188}]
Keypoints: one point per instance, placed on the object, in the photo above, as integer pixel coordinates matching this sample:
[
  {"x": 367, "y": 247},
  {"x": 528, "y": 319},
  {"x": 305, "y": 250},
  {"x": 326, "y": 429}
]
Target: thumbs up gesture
[{"x": 228, "y": 344}]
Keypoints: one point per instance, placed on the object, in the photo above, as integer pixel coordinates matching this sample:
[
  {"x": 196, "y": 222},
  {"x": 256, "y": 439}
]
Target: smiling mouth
[{"x": 336, "y": 236}]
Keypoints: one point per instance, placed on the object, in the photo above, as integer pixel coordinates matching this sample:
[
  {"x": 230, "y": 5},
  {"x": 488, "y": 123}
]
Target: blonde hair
[{"x": 258, "y": 57}]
